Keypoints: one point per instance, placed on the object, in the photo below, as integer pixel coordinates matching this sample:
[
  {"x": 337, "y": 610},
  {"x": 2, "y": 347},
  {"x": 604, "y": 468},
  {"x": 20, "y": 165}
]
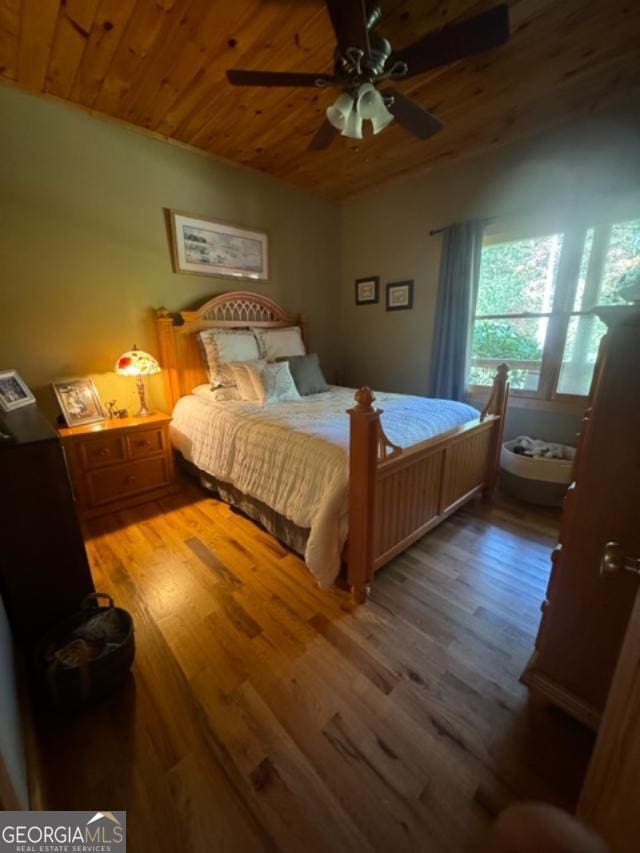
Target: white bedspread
[{"x": 293, "y": 456}]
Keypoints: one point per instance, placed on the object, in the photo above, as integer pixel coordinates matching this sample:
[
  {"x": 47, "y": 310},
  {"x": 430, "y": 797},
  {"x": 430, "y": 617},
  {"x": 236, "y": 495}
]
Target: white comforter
[{"x": 293, "y": 456}]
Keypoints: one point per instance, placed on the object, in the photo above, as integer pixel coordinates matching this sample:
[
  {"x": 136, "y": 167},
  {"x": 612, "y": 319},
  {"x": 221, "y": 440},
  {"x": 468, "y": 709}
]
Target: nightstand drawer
[
  {"x": 106, "y": 450},
  {"x": 110, "y": 484},
  {"x": 145, "y": 442}
]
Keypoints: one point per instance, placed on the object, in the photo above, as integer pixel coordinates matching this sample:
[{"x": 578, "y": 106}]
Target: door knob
[{"x": 615, "y": 560}]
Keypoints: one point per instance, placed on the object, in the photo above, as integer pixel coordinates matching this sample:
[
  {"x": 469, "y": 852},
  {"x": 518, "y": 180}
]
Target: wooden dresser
[
  {"x": 585, "y": 613},
  {"x": 44, "y": 572},
  {"x": 119, "y": 463}
]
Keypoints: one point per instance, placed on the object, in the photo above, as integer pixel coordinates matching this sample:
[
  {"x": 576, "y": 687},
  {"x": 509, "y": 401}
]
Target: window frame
[{"x": 546, "y": 396}]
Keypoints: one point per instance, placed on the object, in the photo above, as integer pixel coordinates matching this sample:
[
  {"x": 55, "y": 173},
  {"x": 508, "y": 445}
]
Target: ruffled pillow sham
[
  {"x": 279, "y": 343},
  {"x": 223, "y": 346}
]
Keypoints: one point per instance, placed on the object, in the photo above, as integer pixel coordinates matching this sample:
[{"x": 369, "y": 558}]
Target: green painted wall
[{"x": 84, "y": 256}]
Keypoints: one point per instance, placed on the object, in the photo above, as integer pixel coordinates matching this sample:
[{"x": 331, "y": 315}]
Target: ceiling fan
[{"x": 364, "y": 58}]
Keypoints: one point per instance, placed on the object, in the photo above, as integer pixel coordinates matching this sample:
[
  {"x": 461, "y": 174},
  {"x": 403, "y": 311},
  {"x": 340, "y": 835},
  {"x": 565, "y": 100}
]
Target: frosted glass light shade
[
  {"x": 338, "y": 113},
  {"x": 370, "y": 105},
  {"x": 136, "y": 362},
  {"x": 353, "y": 127}
]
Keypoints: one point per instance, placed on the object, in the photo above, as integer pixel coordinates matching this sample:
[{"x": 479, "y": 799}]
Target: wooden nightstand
[{"x": 119, "y": 463}]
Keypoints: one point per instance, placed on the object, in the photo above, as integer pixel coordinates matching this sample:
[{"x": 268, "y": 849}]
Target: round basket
[
  {"x": 536, "y": 479},
  {"x": 72, "y": 672}
]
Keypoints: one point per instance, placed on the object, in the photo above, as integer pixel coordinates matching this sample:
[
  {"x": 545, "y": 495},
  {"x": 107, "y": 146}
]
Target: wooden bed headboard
[{"x": 180, "y": 352}]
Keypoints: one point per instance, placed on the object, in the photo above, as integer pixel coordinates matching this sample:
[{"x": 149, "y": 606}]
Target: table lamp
[{"x": 138, "y": 363}]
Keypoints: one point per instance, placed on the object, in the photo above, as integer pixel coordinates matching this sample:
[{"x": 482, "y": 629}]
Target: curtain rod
[{"x": 484, "y": 221}]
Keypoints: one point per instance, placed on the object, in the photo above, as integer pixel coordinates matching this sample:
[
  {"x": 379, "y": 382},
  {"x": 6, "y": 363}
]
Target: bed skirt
[{"x": 282, "y": 528}]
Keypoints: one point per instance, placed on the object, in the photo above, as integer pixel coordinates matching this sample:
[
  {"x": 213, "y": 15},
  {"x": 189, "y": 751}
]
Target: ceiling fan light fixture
[
  {"x": 339, "y": 112},
  {"x": 371, "y": 106}
]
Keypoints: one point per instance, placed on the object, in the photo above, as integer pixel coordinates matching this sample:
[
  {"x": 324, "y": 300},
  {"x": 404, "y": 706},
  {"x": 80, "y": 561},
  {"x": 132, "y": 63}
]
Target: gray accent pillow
[{"x": 306, "y": 373}]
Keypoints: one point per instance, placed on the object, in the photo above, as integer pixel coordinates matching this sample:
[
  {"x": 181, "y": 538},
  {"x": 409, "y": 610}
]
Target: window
[{"x": 536, "y": 301}]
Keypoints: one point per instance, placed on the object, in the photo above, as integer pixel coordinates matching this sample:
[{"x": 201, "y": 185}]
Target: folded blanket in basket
[{"x": 526, "y": 446}]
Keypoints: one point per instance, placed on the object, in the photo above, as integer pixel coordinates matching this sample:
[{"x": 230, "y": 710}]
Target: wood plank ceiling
[{"x": 160, "y": 64}]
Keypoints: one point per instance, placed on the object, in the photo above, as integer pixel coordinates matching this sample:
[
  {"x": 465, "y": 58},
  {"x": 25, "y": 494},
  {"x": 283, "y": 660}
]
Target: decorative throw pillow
[
  {"x": 263, "y": 383},
  {"x": 278, "y": 383},
  {"x": 279, "y": 343},
  {"x": 248, "y": 379},
  {"x": 307, "y": 373},
  {"x": 222, "y": 346}
]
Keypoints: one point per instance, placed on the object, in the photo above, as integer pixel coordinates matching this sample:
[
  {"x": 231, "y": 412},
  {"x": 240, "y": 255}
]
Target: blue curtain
[{"x": 457, "y": 293}]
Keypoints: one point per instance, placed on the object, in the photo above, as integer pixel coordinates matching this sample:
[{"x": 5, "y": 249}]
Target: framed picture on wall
[
  {"x": 79, "y": 401},
  {"x": 367, "y": 290},
  {"x": 13, "y": 391},
  {"x": 203, "y": 246},
  {"x": 399, "y": 295}
]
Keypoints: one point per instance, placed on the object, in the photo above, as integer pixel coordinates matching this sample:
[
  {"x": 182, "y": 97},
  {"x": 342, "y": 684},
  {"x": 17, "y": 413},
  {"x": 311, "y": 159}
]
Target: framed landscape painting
[{"x": 208, "y": 247}]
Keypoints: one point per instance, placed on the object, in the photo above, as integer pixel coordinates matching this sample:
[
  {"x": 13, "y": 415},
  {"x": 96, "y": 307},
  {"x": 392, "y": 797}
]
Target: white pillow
[
  {"x": 262, "y": 383},
  {"x": 280, "y": 343},
  {"x": 222, "y": 346},
  {"x": 278, "y": 383},
  {"x": 248, "y": 379}
]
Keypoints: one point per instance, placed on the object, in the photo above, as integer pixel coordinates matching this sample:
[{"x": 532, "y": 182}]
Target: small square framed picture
[
  {"x": 367, "y": 290},
  {"x": 13, "y": 391},
  {"x": 399, "y": 295},
  {"x": 79, "y": 401}
]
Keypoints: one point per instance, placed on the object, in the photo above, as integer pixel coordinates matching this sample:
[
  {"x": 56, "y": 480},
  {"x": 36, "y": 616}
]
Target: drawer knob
[
  {"x": 144, "y": 443},
  {"x": 104, "y": 451},
  {"x": 131, "y": 478}
]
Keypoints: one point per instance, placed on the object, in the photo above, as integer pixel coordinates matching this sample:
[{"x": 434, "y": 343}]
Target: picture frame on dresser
[
  {"x": 211, "y": 247},
  {"x": 78, "y": 400},
  {"x": 14, "y": 392}
]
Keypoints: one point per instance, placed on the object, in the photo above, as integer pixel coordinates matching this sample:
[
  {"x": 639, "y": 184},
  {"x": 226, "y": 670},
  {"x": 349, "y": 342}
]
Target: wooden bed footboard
[{"x": 396, "y": 495}]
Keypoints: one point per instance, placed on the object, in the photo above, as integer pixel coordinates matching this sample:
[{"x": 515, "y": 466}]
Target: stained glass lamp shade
[{"x": 138, "y": 363}]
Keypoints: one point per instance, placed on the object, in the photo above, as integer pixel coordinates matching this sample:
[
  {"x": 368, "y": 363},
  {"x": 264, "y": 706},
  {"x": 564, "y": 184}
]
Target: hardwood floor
[{"x": 264, "y": 714}]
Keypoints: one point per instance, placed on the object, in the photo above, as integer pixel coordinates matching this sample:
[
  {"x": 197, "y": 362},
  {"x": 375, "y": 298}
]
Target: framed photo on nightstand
[
  {"x": 13, "y": 391},
  {"x": 79, "y": 401}
]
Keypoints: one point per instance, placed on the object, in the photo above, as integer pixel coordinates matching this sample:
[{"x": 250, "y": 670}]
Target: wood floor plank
[{"x": 265, "y": 714}]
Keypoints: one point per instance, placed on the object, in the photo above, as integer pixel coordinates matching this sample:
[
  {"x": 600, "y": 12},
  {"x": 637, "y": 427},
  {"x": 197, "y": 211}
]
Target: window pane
[
  {"x": 623, "y": 256},
  {"x": 611, "y": 252},
  {"x": 518, "y": 342},
  {"x": 580, "y": 352},
  {"x": 518, "y": 277},
  {"x": 580, "y": 302}
]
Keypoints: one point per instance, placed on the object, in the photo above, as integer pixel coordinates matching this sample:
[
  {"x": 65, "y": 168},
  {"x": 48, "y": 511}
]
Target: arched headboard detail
[{"x": 179, "y": 350}]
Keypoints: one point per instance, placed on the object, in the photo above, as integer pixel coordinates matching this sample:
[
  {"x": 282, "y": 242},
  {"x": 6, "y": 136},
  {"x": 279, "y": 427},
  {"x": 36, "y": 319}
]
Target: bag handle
[{"x": 94, "y": 599}]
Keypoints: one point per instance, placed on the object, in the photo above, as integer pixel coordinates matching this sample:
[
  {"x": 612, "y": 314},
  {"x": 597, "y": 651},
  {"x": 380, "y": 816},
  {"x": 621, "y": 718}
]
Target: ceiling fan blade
[
  {"x": 455, "y": 41},
  {"x": 323, "y": 137},
  {"x": 412, "y": 116},
  {"x": 349, "y": 19},
  {"x": 275, "y": 78}
]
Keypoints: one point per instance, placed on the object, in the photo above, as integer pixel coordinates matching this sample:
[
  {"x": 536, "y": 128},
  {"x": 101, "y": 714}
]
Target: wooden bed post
[
  {"x": 364, "y": 438},
  {"x": 496, "y": 405},
  {"x": 168, "y": 356}
]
